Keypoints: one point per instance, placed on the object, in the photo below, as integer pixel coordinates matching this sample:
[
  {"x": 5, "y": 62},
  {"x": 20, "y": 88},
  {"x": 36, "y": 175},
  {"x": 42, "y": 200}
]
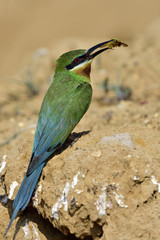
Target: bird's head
[{"x": 79, "y": 61}]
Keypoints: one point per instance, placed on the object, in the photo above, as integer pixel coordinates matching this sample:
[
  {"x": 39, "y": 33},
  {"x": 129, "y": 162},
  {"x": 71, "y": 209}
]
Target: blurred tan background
[
  {"x": 126, "y": 100},
  {"x": 28, "y": 25}
]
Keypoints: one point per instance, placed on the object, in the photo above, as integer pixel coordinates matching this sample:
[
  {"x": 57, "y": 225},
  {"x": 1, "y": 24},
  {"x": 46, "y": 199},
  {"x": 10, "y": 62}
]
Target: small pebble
[
  {"x": 128, "y": 156},
  {"x": 147, "y": 121},
  {"x": 96, "y": 154}
]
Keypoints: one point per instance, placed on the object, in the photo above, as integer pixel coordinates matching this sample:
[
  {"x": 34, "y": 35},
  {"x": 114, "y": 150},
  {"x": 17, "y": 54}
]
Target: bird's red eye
[{"x": 76, "y": 60}]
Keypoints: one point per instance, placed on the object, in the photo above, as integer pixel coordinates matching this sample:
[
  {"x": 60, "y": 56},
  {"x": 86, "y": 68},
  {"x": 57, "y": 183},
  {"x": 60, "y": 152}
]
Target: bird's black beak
[
  {"x": 91, "y": 53},
  {"x": 104, "y": 46}
]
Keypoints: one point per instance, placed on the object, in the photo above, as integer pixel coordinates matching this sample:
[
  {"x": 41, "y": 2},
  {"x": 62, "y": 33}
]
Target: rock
[
  {"x": 90, "y": 189},
  {"x": 79, "y": 190}
]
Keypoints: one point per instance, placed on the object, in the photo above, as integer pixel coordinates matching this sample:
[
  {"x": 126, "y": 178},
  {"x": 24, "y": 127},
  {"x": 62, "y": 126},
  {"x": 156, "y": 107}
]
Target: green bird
[{"x": 64, "y": 104}]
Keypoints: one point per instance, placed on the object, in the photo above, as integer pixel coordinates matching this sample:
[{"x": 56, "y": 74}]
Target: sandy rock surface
[{"x": 105, "y": 183}]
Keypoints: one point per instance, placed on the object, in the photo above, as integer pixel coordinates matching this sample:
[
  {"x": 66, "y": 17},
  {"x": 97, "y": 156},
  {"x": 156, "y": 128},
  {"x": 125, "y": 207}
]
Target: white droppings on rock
[
  {"x": 101, "y": 203},
  {"x": 35, "y": 197},
  {"x": 26, "y": 230},
  {"x": 83, "y": 175},
  {"x": 78, "y": 191},
  {"x": 148, "y": 170},
  {"x": 39, "y": 188},
  {"x": 135, "y": 178},
  {"x": 63, "y": 200},
  {"x": 65, "y": 196},
  {"x": 121, "y": 138},
  {"x": 55, "y": 209},
  {"x": 75, "y": 180},
  {"x": 3, "y": 163},
  {"x": 36, "y": 232},
  {"x": 154, "y": 181},
  {"x": 12, "y": 188},
  {"x": 120, "y": 200},
  {"x": 60, "y": 202}
]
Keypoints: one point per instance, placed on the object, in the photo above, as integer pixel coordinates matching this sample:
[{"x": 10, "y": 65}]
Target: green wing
[{"x": 65, "y": 103}]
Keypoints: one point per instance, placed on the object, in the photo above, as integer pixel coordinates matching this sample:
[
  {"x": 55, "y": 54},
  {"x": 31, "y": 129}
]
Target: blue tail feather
[
  {"x": 25, "y": 192},
  {"x": 12, "y": 219}
]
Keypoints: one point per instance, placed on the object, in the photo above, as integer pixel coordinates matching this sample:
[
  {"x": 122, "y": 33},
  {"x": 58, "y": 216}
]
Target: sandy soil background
[{"x": 117, "y": 192}]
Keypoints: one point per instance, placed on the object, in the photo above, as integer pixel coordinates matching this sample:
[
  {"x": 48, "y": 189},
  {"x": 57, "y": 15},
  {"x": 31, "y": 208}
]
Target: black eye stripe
[{"x": 76, "y": 61}]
